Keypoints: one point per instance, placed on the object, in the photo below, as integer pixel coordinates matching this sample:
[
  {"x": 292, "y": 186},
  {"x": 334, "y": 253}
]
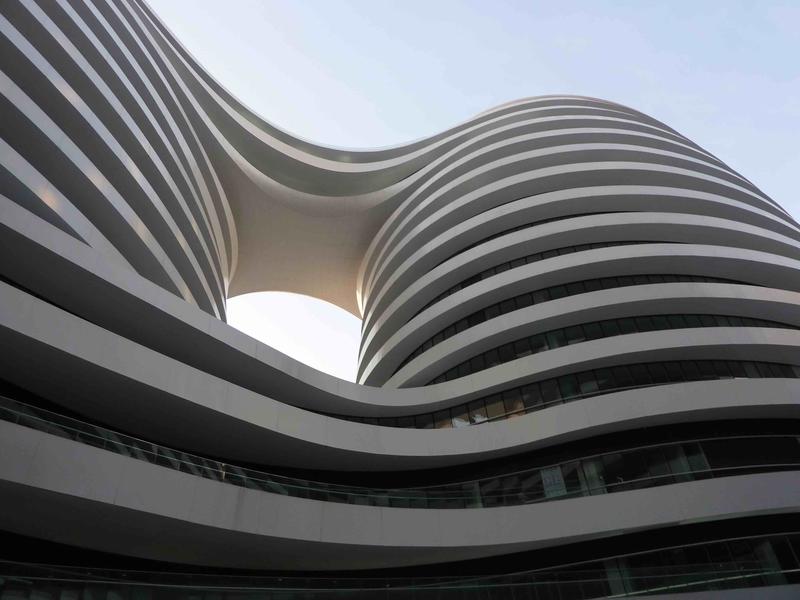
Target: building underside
[{"x": 579, "y": 373}]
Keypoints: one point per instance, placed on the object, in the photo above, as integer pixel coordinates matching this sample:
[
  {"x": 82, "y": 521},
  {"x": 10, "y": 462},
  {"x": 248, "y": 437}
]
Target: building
[{"x": 578, "y": 376}]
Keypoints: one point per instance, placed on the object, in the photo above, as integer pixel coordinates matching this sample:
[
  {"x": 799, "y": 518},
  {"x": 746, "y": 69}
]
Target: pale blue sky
[{"x": 365, "y": 73}]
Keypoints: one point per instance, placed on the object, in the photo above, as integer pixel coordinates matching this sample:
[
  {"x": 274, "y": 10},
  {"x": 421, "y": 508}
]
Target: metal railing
[
  {"x": 28, "y": 578},
  {"x": 475, "y": 493}
]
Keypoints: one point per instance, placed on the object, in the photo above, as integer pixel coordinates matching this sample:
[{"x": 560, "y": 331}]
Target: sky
[{"x": 374, "y": 73}]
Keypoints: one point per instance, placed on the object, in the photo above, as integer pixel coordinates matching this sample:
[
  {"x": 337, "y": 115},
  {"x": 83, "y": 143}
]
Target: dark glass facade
[
  {"x": 548, "y": 294},
  {"x": 575, "y": 334}
]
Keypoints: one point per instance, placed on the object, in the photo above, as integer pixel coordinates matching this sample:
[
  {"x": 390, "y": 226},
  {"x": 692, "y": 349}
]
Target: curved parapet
[{"x": 580, "y": 343}]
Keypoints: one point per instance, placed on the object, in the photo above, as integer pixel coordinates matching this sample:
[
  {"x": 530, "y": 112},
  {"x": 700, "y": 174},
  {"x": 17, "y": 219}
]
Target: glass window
[
  {"x": 472, "y": 280},
  {"x": 593, "y": 285},
  {"x": 549, "y": 253},
  {"x": 533, "y": 258},
  {"x": 405, "y": 422},
  {"x": 674, "y": 371},
  {"x": 736, "y": 368},
  {"x": 660, "y": 322},
  {"x": 450, "y": 331},
  {"x": 501, "y": 268},
  {"x": 722, "y": 321},
  {"x": 622, "y": 467},
  {"x": 492, "y": 312},
  {"x": 495, "y": 407},
  {"x": 568, "y": 384},
  {"x": 540, "y": 296},
  {"x": 721, "y": 367},
  {"x": 549, "y": 391},
  {"x": 523, "y": 300},
  {"x": 476, "y": 319},
  {"x": 776, "y": 370},
  {"x": 491, "y": 494},
  {"x": 522, "y": 347},
  {"x": 676, "y": 321},
  {"x": 708, "y": 321},
  {"x": 642, "y": 279},
  {"x": 506, "y": 306},
  {"x": 492, "y": 358},
  {"x": 442, "y": 419},
  {"x": 553, "y": 480},
  {"x": 451, "y": 374},
  {"x": 656, "y": 462},
  {"x": 512, "y": 401},
  {"x": 609, "y": 283},
  {"x": 622, "y": 377},
  {"x": 506, "y": 352},
  {"x": 518, "y": 262},
  {"x": 461, "y": 325},
  {"x": 531, "y": 486},
  {"x": 574, "y": 334},
  {"x": 692, "y": 321},
  {"x": 558, "y": 291},
  {"x": 556, "y": 339},
  {"x": 593, "y": 331},
  {"x": 605, "y": 379},
  {"x": 695, "y": 457},
  {"x": 735, "y": 321},
  {"x": 644, "y": 324},
  {"x": 627, "y": 325},
  {"x": 610, "y": 328},
  {"x": 531, "y": 396},
  {"x": 640, "y": 375},
  {"x": 587, "y": 383},
  {"x": 477, "y": 412},
  {"x": 658, "y": 373},
  {"x": 423, "y": 421},
  {"x": 464, "y": 369},
  {"x": 477, "y": 363},
  {"x": 706, "y": 369},
  {"x": 575, "y": 288},
  {"x": 538, "y": 343},
  {"x": 625, "y": 280},
  {"x": 459, "y": 416},
  {"x": 690, "y": 370},
  {"x": 751, "y": 369}
]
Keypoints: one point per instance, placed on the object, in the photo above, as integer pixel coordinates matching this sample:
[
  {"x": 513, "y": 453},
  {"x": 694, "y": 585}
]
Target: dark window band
[
  {"x": 516, "y": 228},
  {"x": 567, "y": 388},
  {"x": 552, "y": 293},
  {"x": 523, "y": 260},
  {"x": 744, "y": 561},
  {"x": 609, "y": 472},
  {"x": 567, "y": 336},
  {"x": 499, "y": 234}
]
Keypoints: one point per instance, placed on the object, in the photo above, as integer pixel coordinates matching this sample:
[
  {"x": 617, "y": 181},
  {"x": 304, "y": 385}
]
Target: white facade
[{"x": 555, "y": 280}]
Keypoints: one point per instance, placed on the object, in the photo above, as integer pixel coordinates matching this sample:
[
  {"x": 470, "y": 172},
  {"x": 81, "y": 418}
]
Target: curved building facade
[{"x": 580, "y": 361}]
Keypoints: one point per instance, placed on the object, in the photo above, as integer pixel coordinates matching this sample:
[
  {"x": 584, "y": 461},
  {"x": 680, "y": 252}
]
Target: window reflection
[
  {"x": 552, "y": 293},
  {"x": 590, "y": 331},
  {"x": 567, "y": 388}
]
